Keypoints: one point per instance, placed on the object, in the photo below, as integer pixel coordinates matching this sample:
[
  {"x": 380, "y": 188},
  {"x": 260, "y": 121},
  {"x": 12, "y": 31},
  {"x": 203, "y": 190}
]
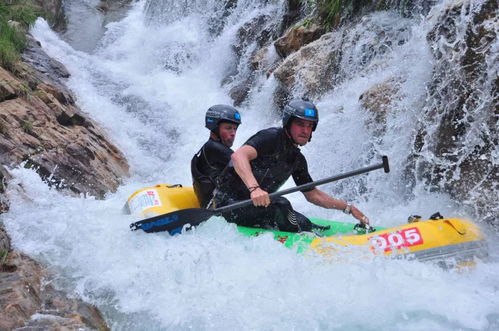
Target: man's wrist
[
  {"x": 348, "y": 209},
  {"x": 253, "y": 188}
]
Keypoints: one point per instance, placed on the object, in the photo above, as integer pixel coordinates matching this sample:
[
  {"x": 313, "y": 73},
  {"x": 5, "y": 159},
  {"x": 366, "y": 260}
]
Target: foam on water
[
  {"x": 149, "y": 83},
  {"x": 213, "y": 278}
]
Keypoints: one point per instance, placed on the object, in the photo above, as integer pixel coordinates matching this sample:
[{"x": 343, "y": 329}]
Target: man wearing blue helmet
[
  {"x": 212, "y": 158},
  {"x": 264, "y": 163}
]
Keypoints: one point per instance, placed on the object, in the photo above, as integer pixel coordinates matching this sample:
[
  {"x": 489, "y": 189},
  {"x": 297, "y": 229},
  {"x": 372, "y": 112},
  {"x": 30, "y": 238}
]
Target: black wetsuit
[
  {"x": 206, "y": 166},
  {"x": 277, "y": 159}
]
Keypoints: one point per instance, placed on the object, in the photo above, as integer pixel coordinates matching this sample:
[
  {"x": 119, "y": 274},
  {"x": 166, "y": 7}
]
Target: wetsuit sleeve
[
  {"x": 206, "y": 167},
  {"x": 300, "y": 174},
  {"x": 266, "y": 142},
  {"x": 217, "y": 155}
]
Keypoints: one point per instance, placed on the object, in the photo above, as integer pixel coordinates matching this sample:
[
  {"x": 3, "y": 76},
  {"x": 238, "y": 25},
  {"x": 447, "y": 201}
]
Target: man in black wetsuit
[
  {"x": 212, "y": 158},
  {"x": 264, "y": 163}
]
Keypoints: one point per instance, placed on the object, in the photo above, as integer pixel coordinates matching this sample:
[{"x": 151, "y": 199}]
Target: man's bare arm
[
  {"x": 241, "y": 161},
  {"x": 322, "y": 199}
]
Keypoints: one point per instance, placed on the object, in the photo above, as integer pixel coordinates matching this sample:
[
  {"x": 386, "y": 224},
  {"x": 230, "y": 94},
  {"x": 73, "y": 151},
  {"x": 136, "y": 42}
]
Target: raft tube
[{"x": 434, "y": 239}]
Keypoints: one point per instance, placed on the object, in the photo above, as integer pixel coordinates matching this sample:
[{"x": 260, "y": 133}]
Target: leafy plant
[
  {"x": 27, "y": 126},
  {"x": 12, "y": 38},
  {"x": 307, "y": 22},
  {"x": 332, "y": 12},
  {"x": 12, "y": 42},
  {"x": 22, "y": 12},
  {"x": 3, "y": 256}
]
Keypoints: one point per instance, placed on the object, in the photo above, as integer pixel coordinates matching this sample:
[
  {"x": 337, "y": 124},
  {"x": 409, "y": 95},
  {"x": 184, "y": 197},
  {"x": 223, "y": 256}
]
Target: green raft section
[{"x": 301, "y": 241}]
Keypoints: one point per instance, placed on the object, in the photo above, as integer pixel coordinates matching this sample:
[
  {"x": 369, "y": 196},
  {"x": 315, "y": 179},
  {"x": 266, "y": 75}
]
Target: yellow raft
[{"x": 435, "y": 239}]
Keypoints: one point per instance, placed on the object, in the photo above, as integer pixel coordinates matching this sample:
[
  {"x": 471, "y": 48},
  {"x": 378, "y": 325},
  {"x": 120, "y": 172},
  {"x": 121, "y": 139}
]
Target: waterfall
[{"x": 150, "y": 79}]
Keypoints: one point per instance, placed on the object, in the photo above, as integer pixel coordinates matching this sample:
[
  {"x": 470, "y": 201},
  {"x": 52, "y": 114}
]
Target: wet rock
[
  {"x": 379, "y": 99},
  {"x": 312, "y": 67},
  {"x": 67, "y": 149},
  {"x": 4, "y": 178},
  {"x": 251, "y": 37},
  {"x": 41, "y": 126},
  {"x": 240, "y": 92},
  {"x": 39, "y": 67},
  {"x": 216, "y": 22},
  {"x": 251, "y": 31},
  {"x": 322, "y": 64},
  {"x": 257, "y": 61},
  {"x": 114, "y": 10},
  {"x": 4, "y": 244},
  {"x": 458, "y": 152},
  {"x": 296, "y": 37},
  {"x": 293, "y": 13},
  {"x": 10, "y": 87},
  {"x": 54, "y": 10},
  {"x": 27, "y": 302}
]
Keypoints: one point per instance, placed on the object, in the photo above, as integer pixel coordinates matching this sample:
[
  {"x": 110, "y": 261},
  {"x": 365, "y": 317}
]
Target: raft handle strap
[
  {"x": 436, "y": 216},
  {"x": 361, "y": 228}
]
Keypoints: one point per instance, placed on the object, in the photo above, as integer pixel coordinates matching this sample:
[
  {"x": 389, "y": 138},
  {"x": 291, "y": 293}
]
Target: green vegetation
[
  {"x": 307, "y": 22},
  {"x": 3, "y": 256},
  {"x": 15, "y": 18},
  {"x": 27, "y": 126},
  {"x": 332, "y": 12}
]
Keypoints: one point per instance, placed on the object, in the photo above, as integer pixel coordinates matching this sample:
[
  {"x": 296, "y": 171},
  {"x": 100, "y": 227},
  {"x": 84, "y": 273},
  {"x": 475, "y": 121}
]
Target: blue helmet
[
  {"x": 300, "y": 108},
  {"x": 221, "y": 113}
]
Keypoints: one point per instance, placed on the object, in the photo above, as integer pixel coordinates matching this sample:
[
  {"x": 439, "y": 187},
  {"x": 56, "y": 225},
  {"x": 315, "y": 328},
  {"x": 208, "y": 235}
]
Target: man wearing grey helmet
[
  {"x": 212, "y": 158},
  {"x": 264, "y": 163}
]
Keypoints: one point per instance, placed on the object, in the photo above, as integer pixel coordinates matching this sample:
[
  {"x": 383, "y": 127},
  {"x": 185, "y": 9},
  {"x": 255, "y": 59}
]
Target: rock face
[
  {"x": 251, "y": 37},
  {"x": 56, "y": 14},
  {"x": 41, "y": 126},
  {"x": 4, "y": 177},
  {"x": 379, "y": 101},
  {"x": 24, "y": 294},
  {"x": 319, "y": 66},
  {"x": 458, "y": 154},
  {"x": 296, "y": 37},
  {"x": 55, "y": 11},
  {"x": 312, "y": 67}
]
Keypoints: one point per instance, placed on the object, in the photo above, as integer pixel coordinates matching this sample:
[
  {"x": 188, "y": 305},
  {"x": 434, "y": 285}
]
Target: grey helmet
[
  {"x": 221, "y": 113},
  {"x": 300, "y": 108}
]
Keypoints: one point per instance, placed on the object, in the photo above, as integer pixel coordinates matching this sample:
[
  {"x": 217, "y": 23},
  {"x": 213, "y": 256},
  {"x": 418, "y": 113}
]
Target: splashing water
[{"x": 158, "y": 74}]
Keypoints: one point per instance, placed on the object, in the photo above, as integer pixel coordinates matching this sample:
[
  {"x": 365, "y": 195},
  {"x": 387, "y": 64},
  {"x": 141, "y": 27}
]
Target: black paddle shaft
[
  {"x": 173, "y": 222},
  {"x": 248, "y": 202}
]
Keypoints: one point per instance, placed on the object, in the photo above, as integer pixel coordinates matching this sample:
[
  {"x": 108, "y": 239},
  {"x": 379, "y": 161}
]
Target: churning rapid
[{"x": 148, "y": 79}]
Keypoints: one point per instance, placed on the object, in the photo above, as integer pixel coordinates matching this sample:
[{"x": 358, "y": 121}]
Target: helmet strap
[
  {"x": 215, "y": 134},
  {"x": 288, "y": 125},
  {"x": 286, "y": 130}
]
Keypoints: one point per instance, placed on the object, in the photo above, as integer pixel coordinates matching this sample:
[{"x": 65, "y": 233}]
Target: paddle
[{"x": 175, "y": 221}]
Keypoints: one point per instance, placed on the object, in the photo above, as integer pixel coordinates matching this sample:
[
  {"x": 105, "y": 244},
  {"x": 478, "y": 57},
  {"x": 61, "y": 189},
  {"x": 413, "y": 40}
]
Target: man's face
[
  {"x": 301, "y": 131},
  {"x": 227, "y": 132}
]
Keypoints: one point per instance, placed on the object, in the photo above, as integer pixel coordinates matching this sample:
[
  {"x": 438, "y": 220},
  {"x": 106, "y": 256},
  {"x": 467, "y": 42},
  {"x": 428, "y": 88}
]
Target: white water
[{"x": 148, "y": 83}]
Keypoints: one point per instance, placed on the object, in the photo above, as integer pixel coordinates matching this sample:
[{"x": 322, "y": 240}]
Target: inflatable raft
[{"x": 434, "y": 239}]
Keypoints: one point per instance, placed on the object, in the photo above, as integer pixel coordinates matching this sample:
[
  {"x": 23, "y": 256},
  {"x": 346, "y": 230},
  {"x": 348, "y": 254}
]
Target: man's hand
[
  {"x": 358, "y": 215},
  {"x": 260, "y": 197}
]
